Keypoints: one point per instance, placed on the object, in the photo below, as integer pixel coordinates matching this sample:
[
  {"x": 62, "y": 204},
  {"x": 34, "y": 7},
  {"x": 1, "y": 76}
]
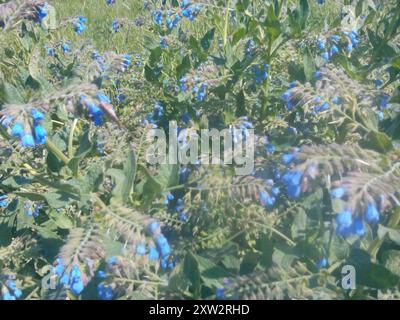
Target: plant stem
[
  {"x": 226, "y": 23},
  {"x": 57, "y": 152},
  {"x": 71, "y": 138}
]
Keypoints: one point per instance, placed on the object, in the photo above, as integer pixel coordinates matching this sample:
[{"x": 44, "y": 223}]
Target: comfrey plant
[
  {"x": 15, "y": 11},
  {"x": 84, "y": 213}
]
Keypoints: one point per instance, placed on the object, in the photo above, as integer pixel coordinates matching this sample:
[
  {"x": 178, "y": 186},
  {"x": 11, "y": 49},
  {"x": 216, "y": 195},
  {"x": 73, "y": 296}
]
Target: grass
[{"x": 100, "y": 17}]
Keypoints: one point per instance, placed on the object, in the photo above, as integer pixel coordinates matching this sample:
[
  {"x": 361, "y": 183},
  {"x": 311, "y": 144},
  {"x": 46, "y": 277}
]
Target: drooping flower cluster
[
  {"x": 79, "y": 24},
  {"x": 29, "y": 131},
  {"x": 110, "y": 63},
  {"x": 95, "y": 107},
  {"x": 4, "y": 201},
  {"x": 173, "y": 17},
  {"x": 161, "y": 250},
  {"x": 304, "y": 96},
  {"x": 260, "y": 72},
  {"x": 42, "y": 12},
  {"x": 198, "y": 81},
  {"x": 328, "y": 47},
  {"x": 9, "y": 289},
  {"x": 240, "y": 130},
  {"x": 71, "y": 279},
  {"x": 31, "y": 209},
  {"x": 348, "y": 223}
]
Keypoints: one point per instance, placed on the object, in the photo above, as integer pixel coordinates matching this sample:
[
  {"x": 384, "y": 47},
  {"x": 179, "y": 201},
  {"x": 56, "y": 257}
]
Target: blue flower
[
  {"x": 322, "y": 263},
  {"x": 50, "y": 51},
  {"x": 153, "y": 254},
  {"x": 372, "y": 214},
  {"x": 4, "y": 201},
  {"x": 103, "y": 98},
  {"x": 40, "y": 134},
  {"x": 288, "y": 158},
  {"x": 270, "y": 148},
  {"x": 220, "y": 293},
  {"x": 338, "y": 193},
  {"x": 169, "y": 198},
  {"x": 318, "y": 75},
  {"x": 157, "y": 17},
  {"x": 77, "y": 287},
  {"x": 64, "y": 280},
  {"x": 112, "y": 261},
  {"x": 115, "y": 25},
  {"x": 344, "y": 221},
  {"x": 163, "y": 246},
  {"x": 154, "y": 227},
  {"x": 325, "y": 55},
  {"x": 8, "y": 296},
  {"x": 17, "y": 130},
  {"x": 378, "y": 83},
  {"x": 292, "y": 181},
  {"x": 79, "y": 24},
  {"x": 37, "y": 115},
  {"x": 101, "y": 274},
  {"x": 275, "y": 191},
  {"x": 105, "y": 292},
  {"x": 163, "y": 43},
  {"x": 321, "y": 44},
  {"x": 357, "y": 227},
  {"x": 337, "y": 100},
  {"x": 110, "y": 2},
  {"x": 266, "y": 200},
  {"x": 65, "y": 48},
  {"x": 28, "y": 141},
  {"x": 334, "y": 49},
  {"x": 42, "y": 12},
  {"x": 75, "y": 273},
  {"x": 141, "y": 249}
]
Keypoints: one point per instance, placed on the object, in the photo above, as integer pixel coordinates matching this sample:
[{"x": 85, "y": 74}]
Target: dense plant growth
[{"x": 83, "y": 215}]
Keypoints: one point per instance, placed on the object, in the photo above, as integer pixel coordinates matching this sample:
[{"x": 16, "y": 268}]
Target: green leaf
[
  {"x": 167, "y": 175},
  {"x": 207, "y": 39},
  {"x": 238, "y": 35},
  {"x": 392, "y": 234},
  {"x": 309, "y": 65},
  {"x": 184, "y": 67},
  {"x": 378, "y": 141},
  {"x": 272, "y": 24},
  {"x": 375, "y": 276},
  {"x": 192, "y": 272}
]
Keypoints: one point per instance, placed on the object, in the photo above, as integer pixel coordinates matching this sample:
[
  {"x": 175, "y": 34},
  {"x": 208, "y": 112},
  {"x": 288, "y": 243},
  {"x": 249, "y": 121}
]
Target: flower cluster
[
  {"x": 72, "y": 279},
  {"x": 105, "y": 292},
  {"x": 240, "y": 129},
  {"x": 32, "y": 209},
  {"x": 198, "y": 81},
  {"x": 260, "y": 72},
  {"x": 300, "y": 95},
  {"x": 154, "y": 118},
  {"x": 328, "y": 47},
  {"x": 42, "y": 12},
  {"x": 97, "y": 107},
  {"x": 4, "y": 201},
  {"x": 161, "y": 250},
  {"x": 30, "y": 132},
  {"x": 115, "y": 25},
  {"x": 9, "y": 289},
  {"x": 348, "y": 223},
  {"x": 79, "y": 24},
  {"x": 172, "y": 18}
]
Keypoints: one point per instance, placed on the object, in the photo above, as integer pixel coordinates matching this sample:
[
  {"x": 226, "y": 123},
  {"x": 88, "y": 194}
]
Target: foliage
[{"x": 80, "y": 88}]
